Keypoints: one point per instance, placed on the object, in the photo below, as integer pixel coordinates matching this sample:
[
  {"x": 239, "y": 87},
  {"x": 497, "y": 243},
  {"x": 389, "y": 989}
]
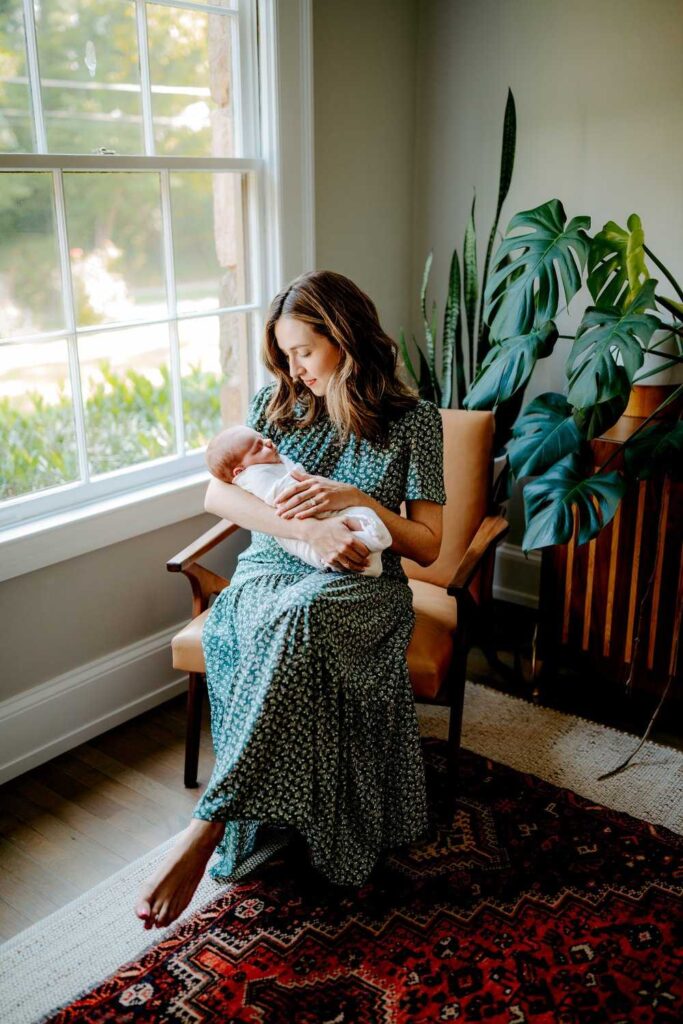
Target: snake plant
[{"x": 464, "y": 301}]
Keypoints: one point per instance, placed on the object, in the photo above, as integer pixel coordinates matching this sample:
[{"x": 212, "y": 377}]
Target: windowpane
[
  {"x": 126, "y": 384},
  {"x": 114, "y": 227},
  {"x": 208, "y": 240},
  {"x": 16, "y": 120},
  {"x": 37, "y": 433},
  {"x": 30, "y": 277},
  {"x": 213, "y": 368},
  {"x": 89, "y": 75},
  {"x": 192, "y": 60}
]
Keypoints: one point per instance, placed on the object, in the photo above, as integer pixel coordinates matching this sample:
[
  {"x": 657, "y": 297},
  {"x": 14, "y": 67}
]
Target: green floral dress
[{"x": 312, "y": 712}]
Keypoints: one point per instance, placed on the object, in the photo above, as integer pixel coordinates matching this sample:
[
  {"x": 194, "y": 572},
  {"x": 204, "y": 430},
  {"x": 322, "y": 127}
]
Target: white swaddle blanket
[{"x": 268, "y": 480}]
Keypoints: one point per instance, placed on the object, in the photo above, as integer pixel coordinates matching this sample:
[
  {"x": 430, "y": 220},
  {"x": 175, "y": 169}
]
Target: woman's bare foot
[{"x": 169, "y": 890}]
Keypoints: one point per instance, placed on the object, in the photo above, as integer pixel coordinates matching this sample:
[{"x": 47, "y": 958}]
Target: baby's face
[{"x": 257, "y": 450}]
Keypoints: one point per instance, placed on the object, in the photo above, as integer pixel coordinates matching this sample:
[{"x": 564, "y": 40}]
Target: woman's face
[{"x": 312, "y": 358}]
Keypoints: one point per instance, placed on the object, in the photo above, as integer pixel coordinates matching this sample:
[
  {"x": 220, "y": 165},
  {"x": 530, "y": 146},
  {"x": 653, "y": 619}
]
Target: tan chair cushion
[
  {"x": 431, "y": 647},
  {"x": 186, "y": 645},
  {"x": 429, "y": 652},
  {"x": 468, "y": 466}
]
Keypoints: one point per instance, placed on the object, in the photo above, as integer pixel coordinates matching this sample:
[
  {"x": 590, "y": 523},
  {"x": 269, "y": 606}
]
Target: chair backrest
[{"x": 468, "y": 472}]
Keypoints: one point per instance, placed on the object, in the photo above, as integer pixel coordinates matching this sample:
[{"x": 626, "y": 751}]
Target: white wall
[
  {"x": 364, "y": 87},
  {"x": 599, "y": 93}
]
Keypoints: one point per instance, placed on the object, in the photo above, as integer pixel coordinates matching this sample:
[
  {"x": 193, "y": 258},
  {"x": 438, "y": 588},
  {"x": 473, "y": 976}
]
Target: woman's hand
[
  {"x": 334, "y": 541},
  {"x": 315, "y": 494}
]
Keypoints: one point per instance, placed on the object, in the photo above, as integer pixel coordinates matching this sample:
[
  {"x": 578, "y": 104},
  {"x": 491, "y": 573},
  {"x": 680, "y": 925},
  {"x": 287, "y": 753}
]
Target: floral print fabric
[{"x": 312, "y": 713}]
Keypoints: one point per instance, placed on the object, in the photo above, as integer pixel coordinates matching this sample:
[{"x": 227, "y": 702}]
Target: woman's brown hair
[{"x": 365, "y": 390}]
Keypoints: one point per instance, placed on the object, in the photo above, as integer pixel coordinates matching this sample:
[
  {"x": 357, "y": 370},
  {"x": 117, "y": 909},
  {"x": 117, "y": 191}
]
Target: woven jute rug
[{"x": 70, "y": 951}]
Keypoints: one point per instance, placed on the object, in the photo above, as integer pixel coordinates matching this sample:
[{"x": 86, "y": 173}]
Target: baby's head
[{"x": 235, "y": 448}]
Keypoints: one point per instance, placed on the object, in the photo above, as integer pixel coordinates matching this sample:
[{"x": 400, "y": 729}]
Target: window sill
[{"x": 68, "y": 534}]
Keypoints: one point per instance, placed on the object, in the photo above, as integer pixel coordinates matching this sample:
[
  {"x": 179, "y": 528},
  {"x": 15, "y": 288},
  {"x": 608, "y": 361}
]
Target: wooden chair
[{"x": 451, "y": 597}]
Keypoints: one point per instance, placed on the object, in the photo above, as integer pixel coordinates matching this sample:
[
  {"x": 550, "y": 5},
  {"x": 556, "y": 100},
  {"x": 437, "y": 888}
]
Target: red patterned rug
[{"x": 533, "y": 905}]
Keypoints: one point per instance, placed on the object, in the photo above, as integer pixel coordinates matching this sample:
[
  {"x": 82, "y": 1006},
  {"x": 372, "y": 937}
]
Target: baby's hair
[{"x": 224, "y": 451}]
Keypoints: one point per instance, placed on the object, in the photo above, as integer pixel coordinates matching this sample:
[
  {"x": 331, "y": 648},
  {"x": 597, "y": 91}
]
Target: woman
[{"x": 312, "y": 713}]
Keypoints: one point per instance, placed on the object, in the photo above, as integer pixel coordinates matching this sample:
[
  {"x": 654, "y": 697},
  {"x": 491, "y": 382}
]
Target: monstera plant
[
  {"x": 539, "y": 267},
  {"x": 540, "y": 263}
]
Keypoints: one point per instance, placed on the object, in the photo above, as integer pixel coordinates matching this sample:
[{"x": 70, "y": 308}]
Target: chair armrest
[
  {"x": 491, "y": 530},
  {"x": 204, "y": 583},
  {"x": 201, "y": 545}
]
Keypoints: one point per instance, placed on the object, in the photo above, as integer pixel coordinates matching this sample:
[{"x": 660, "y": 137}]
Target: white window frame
[{"x": 281, "y": 221}]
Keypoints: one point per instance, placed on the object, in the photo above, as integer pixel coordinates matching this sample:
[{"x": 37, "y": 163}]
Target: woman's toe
[
  {"x": 143, "y": 909},
  {"x": 162, "y": 916}
]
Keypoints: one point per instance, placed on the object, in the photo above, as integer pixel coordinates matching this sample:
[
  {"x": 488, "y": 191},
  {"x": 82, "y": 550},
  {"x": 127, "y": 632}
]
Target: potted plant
[{"x": 542, "y": 260}]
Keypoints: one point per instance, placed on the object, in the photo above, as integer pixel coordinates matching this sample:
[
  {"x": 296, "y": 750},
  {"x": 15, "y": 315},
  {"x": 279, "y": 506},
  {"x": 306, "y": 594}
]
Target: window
[{"x": 132, "y": 252}]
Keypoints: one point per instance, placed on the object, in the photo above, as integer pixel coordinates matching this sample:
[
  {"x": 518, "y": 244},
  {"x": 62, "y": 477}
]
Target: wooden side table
[{"x": 590, "y": 610}]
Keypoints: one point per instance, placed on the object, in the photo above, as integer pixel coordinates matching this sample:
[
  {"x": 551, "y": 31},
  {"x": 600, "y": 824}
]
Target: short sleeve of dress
[
  {"x": 425, "y": 461},
  {"x": 256, "y": 413}
]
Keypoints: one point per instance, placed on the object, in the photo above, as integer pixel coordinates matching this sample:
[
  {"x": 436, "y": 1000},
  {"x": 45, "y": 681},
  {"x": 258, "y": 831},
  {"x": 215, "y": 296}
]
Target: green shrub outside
[{"x": 128, "y": 420}]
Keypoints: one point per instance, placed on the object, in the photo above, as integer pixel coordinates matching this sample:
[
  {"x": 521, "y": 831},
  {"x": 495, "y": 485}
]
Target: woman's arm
[
  {"x": 239, "y": 506},
  {"x": 332, "y": 539},
  {"x": 419, "y": 536}
]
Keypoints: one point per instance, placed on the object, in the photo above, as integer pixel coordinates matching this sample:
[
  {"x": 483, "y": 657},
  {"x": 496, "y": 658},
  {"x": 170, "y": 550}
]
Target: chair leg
[
  {"x": 195, "y": 693},
  {"x": 454, "y": 731}
]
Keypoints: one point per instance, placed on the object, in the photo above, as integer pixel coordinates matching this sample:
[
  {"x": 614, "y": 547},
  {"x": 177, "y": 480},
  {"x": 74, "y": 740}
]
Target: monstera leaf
[
  {"x": 547, "y": 250},
  {"x": 655, "y": 449},
  {"x": 508, "y": 366},
  {"x": 544, "y": 433},
  {"x": 594, "y": 420},
  {"x": 548, "y": 502},
  {"x": 594, "y": 375},
  {"x": 616, "y": 264}
]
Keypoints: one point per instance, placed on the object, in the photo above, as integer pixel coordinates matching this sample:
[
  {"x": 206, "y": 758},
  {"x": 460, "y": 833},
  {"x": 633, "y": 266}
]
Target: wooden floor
[{"x": 74, "y": 821}]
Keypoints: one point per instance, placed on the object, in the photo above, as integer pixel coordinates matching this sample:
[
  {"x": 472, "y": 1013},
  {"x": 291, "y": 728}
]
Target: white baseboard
[
  {"x": 517, "y": 578},
  {"x": 72, "y": 708}
]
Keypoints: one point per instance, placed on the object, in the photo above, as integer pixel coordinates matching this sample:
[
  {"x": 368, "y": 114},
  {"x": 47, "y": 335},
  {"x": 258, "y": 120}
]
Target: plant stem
[
  {"x": 664, "y": 355},
  {"x": 625, "y": 764},
  {"x": 663, "y": 269},
  {"x": 662, "y": 405},
  {"x": 657, "y": 369}
]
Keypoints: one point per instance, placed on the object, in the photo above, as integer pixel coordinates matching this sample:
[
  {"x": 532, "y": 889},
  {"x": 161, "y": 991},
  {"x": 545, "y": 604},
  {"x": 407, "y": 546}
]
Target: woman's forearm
[
  {"x": 410, "y": 540},
  {"x": 239, "y": 506}
]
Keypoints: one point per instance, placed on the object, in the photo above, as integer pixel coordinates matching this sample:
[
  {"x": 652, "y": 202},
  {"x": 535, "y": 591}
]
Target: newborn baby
[{"x": 242, "y": 456}]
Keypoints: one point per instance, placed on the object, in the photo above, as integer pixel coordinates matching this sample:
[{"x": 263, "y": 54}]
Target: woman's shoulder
[
  {"x": 423, "y": 412},
  {"x": 256, "y": 416}
]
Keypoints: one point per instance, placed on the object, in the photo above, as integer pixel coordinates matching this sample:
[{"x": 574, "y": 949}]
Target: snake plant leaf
[
  {"x": 406, "y": 356},
  {"x": 616, "y": 263},
  {"x": 548, "y": 502},
  {"x": 508, "y": 365},
  {"x": 428, "y": 327},
  {"x": 594, "y": 420},
  {"x": 469, "y": 261},
  {"x": 594, "y": 375},
  {"x": 427, "y": 386},
  {"x": 544, "y": 433},
  {"x": 507, "y": 163},
  {"x": 548, "y": 250},
  {"x": 452, "y": 338},
  {"x": 658, "y": 448}
]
